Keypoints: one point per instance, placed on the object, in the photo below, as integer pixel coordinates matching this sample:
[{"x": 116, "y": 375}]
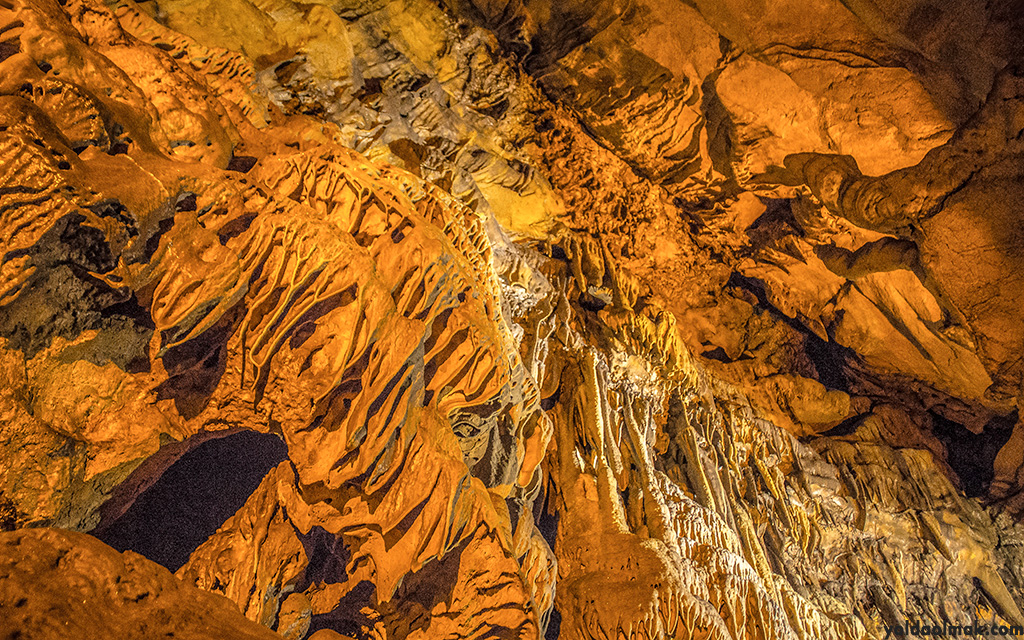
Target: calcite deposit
[{"x": 400, "y": 319}]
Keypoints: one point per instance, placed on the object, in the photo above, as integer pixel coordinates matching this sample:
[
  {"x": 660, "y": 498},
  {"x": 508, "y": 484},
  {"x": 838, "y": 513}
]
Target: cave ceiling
[{"x": 416, "y": 319}]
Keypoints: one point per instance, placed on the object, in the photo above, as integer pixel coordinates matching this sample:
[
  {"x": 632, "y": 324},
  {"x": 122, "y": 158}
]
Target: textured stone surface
[
  {"x": 62, "y": 584},
  {"x": 585, "y": 320}
]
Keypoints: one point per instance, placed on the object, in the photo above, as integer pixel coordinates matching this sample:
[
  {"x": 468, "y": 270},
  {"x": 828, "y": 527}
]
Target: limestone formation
[
  {"x": 574, "y": 320},
  {"x": 63, "y": 584}
]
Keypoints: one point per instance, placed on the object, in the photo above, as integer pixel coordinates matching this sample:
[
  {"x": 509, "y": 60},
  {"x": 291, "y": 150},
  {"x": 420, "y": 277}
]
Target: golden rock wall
[{"x": 579, "y": 326}]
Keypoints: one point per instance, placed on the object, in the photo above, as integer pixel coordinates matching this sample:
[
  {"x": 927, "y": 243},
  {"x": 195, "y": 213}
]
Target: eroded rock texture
[
  {"x": 587, "y": 320},
  {"x": 62, "y": 584}
]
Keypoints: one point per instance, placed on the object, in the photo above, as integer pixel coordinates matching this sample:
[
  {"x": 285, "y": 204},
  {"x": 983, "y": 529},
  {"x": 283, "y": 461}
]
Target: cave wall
[{"x": 575, "y": 320}]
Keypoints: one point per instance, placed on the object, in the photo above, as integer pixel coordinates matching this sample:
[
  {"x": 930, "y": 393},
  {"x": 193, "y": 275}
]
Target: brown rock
[
  {"x": 579, "y": 323},
  {"x": 60, "y": 584}
]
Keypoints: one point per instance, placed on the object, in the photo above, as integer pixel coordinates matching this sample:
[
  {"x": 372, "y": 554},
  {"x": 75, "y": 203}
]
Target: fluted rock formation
[{"x": 624, "y": 319}]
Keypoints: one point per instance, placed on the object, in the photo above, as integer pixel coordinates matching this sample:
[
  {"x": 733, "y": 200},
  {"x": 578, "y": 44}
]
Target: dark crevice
[
  {"x": 554, "y": 625},
  {"x": 718, "y": 353},
  {"x": 972, "y": 455},
  {"x": 63, "y": 298},
  {"x": 844, "y": 428},
  {"x": 327, "y": 556},
  {"x": 194, "y": 497},
  {"x": 829, "y": 358},
  {"x": 774, "y": 224},
  {"x": 548, "y": 403},
  {"x": 241, "y": 164},
  {"x": 349, "y": 616},
  {"x": 547, "y": 516}
]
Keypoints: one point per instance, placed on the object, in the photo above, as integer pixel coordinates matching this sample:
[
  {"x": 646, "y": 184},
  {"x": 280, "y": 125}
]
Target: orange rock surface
[{"x": 575, "y": 320}]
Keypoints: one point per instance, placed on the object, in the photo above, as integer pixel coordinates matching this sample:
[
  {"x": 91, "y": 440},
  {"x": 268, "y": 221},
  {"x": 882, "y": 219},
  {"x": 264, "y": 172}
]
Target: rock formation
[{"x": 578, "y": 320}]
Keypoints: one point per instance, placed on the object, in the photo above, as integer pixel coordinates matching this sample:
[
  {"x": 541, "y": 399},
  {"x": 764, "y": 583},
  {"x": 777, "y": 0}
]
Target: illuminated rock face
[{"x": 575, "y": 321}]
